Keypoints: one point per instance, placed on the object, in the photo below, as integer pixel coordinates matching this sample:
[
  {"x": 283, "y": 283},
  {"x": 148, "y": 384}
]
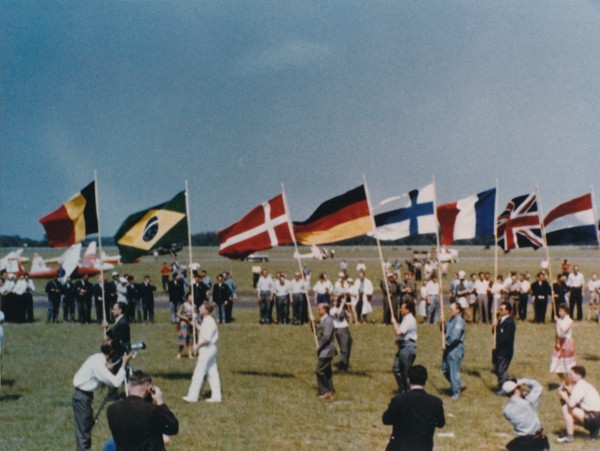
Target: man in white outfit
[{"x": 207, "y": 358}]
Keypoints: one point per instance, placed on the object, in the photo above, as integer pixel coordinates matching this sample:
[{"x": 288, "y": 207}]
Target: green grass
[{"x": 267, "y": 374}]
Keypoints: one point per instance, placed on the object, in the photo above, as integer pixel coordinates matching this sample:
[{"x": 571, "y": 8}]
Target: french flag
[
  {"x": 468, "y": 218},
  {"x": 572, "y": 222}
]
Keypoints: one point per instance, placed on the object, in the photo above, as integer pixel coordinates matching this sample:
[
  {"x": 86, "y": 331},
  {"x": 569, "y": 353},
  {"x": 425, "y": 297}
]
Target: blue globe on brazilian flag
[{"x": 154, "y": 227}]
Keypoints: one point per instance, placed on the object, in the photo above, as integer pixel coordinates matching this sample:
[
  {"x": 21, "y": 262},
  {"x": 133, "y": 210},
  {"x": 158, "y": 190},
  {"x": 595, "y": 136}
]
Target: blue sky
[{"x": 238, "y": 97}]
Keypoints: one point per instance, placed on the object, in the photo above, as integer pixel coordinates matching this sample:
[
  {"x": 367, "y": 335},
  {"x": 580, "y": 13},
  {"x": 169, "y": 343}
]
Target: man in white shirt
[
  {"x": 365, "y": 292},
  {"x": 580, "y": 405},
  {"x": 593, "y": 287},
  {"x": 575, "y": 283},
  {"x": 481, "y": 287},
  {"x": 299, "y": 299},
  {"x": 282, "y": 289},
  {"x": 23, "y": 290},
  {"x": 406, "y": 333},
  {"x": 342, "y": 331},
  {"x": 433, "y": 300},
  {"x": 524, "y": 297},
  {"x": 264, "y": 294},
  {"x": 88, "y": 378},
  {"x": 207, "y": 358}
]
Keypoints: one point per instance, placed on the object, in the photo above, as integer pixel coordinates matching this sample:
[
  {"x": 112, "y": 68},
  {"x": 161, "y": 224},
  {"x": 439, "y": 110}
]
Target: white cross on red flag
[{"x": 264, "y": 227}]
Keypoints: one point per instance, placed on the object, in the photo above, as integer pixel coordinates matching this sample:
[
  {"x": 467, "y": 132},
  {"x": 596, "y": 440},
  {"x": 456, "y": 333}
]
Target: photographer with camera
[
  {"x": 139, "y": 421},
  {"x": 88, "y": 378}
]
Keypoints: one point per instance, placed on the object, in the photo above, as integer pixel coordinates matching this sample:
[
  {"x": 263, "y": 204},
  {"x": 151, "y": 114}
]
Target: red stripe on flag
[
  {"x": 346, "y": 214},
  {"x": 447, "y": 214},
  {"x": 59, "y": 227},
  {"x": 569, "y": 207}
]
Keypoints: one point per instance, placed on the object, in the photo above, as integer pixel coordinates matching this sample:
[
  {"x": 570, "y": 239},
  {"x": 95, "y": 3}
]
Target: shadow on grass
[
  {"x": 473, "y": 373},
  {"x": 8, "y": 382},
  {"x": 266, "y": 374},
  {"x": 356, "y": 373},
  {"x": 591, "y": 358},
  {"x": 173, "y": 376},
  {"x": 9, "y": 397},
  {"x": 553, "y": 386}
]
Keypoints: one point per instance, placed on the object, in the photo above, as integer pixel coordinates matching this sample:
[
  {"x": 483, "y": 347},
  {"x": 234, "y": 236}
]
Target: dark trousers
[
  {"x": 82, "y": 313},
  {"x": 98, "y": 305},
  {"x": 263, "y": 305},
  {"x": 324, "y": 375},
  {"x": 359, "y": 306},
  {"x": 19, "y": 309},
  {"x": 53, "y": 306},
  {"x": 576, "y": 298},
  {"x": 299, "y": 307},
  {"x": 344, "y": 339},
  {"x": 27, "y": 300},
  {"x": 283, "y": 309},
  {"x": 229, "y": 311},
  {"x": 406, "y": 355},
  {"x": 523, "y": 301},
  {"x": 68, "y": 309},
  {"x": 255, "y": 277},
  {"x": 220, "y": 311},
  {"x": 501, "y": 364},
  {"x": 387, "y": 313},
  {"x": 84, "y": 419},
  {"x": 148, "y": 309},
  {"x": 540, "y": 306}
]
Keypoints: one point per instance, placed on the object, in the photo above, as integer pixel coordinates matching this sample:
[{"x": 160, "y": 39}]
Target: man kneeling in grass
[{"x": 580, "y": 405}]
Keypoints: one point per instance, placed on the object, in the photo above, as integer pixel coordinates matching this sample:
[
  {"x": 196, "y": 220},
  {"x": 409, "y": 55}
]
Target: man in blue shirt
[
  {"x": 454, "y": 350},
  {"x": 521, "y": 411}
]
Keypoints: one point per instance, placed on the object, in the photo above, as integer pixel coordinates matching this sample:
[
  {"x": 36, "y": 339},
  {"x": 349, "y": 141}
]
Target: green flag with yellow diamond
[{"x": 157, "y": 226}]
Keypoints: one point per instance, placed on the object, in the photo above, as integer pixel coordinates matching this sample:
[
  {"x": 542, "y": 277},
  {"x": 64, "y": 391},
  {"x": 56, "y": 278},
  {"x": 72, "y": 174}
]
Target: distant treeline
[{"x": 210, "y": 239}]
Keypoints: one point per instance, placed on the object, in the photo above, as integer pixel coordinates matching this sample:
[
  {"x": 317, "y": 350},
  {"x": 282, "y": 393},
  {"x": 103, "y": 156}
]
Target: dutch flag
[{"x": 572, "y": 222}]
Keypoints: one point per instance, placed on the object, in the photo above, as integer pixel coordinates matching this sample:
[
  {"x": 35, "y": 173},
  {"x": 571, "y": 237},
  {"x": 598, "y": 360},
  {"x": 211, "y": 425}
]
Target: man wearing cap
[
  {"x": 454, "y": 350},
  {"x": 580, "y": 405},
  {"x": 325, "y": 352},
  {"x": 298, "y": 298},
  {"x": 521, "y": 411},
  {"x": 406, "y": 332}
]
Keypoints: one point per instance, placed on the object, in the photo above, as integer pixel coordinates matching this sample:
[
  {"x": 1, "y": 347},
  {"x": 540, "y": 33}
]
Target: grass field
[{"x": 267, "y": 373}]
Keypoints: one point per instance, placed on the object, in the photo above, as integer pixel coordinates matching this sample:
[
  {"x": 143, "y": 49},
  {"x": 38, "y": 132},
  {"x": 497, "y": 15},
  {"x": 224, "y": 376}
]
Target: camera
[{"x": 129, "y": 347}]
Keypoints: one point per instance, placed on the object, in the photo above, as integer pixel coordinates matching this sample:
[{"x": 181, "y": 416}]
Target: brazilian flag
[{"x": 157, "y": 226}]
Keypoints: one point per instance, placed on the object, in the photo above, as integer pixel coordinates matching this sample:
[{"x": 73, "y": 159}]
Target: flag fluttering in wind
[
  {"x": 406, "y": 215},
  {"x": 156, "y": 226},
  {"x": 343, "y": 217},
  {"x": 264, "y": 227},
  {"x": 74, "y": 220},
  {"x": 519, "y": 224},
  {"x": 572, "y": 222},
  {"x": 468, "y": 218}
]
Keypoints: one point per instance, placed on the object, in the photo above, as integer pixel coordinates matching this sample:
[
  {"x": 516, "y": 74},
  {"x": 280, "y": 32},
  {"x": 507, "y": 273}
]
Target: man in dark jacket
[
  {"x": 147, "y": 290},
  {"x": 325, "y": 352},
  {"x": 414, "y": 415},
  {"x": 505, "y": 344},
  {"x": 84, "y": 291},
  {"x": 221, "y": 296},
  {"x": 139, "y": 421},
  {"x": 540, "y": 289}
]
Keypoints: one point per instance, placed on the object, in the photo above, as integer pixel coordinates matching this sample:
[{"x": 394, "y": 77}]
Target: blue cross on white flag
[{"x": 407, "y": 215}]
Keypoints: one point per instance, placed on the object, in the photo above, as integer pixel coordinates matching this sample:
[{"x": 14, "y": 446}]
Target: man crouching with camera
[{"x": 139, "y": 421}]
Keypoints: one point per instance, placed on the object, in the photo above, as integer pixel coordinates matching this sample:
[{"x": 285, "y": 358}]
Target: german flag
[
  {"x": 154, "y": 227},
  {"x": 337, "y": 219},
  {"x": 74, "y": 220}
]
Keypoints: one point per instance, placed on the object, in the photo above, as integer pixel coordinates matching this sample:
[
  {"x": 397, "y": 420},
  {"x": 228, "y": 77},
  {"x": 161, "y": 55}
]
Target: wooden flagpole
[
  {"x": 439, "y": 268},
  {"x": 291, "y": 229},
  {"x": 102, "y": 281},
  {"x": 537, "y": 194},
  {"x": 387, "y": 285},
  {"x": 190, "y": 274},
  {"x": 495, "y": 265}
]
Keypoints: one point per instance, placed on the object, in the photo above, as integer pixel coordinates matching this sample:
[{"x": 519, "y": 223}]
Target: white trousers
[{"x": 207, "y": 364}]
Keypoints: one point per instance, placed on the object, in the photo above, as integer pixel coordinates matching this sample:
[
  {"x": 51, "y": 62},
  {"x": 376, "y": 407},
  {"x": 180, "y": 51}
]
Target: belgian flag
[
  {"x": 74, "y": 220},
  {"x": 156, "y": 226},
  {"x": 337, "y": 219}
]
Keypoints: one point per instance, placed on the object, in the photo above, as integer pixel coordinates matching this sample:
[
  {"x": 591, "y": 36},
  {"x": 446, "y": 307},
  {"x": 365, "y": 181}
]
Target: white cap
[
  {"x": 508, "y": 387},
  {"x": 341, "y": 274},
  {"x": 461, "y": 274},
  {"x": 115, "y": 273},
  {"x": 123, "y": 280}
]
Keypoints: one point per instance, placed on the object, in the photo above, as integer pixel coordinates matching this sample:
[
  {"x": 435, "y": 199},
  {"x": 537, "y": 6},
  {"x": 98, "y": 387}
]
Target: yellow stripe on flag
[
  {"x": 75, "y": 206},
  {"x": 340, "y": 232},
  {"x": 138, "y": 236}
]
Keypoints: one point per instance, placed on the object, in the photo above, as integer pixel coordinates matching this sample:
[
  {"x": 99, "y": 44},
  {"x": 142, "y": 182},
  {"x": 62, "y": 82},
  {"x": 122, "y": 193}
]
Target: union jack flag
[{"x": 519, "y": 224}]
